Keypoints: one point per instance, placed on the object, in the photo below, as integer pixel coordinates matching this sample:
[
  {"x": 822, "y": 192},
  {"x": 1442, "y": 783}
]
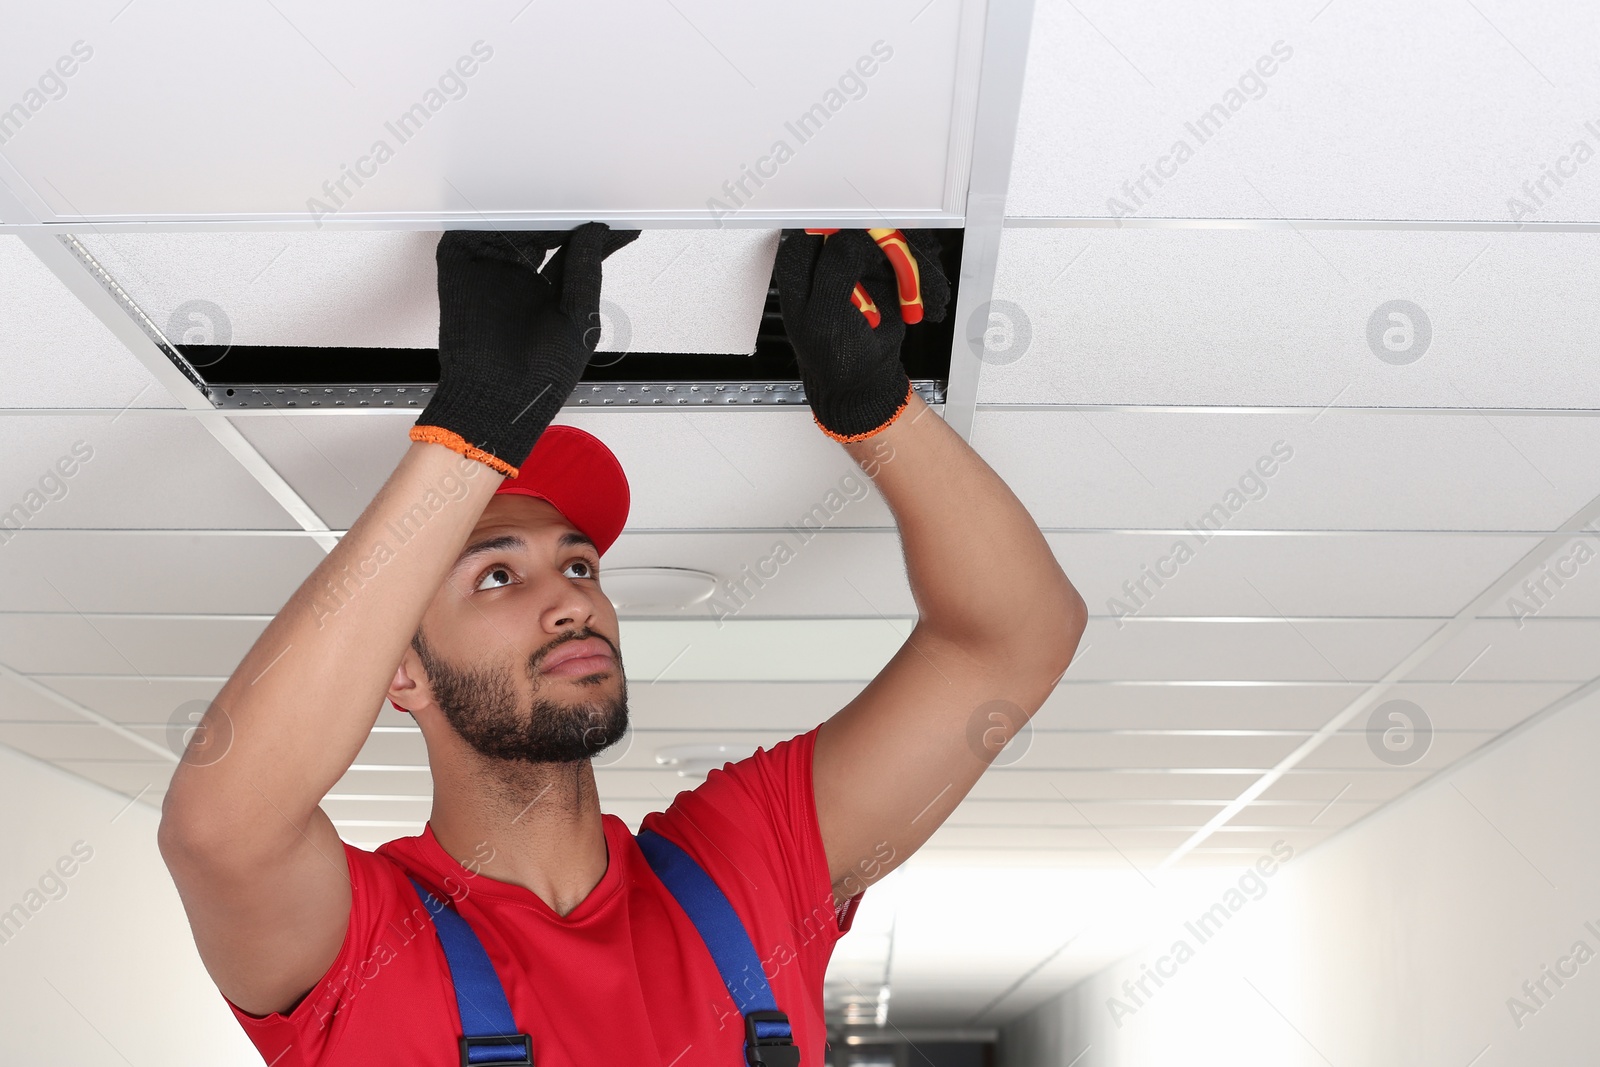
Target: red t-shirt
[{"x": 623, "y": 978}]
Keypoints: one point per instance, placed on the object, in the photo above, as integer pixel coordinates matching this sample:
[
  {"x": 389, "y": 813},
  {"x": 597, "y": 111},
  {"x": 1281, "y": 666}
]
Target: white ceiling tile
[
  {"x": 341, "y": 810},
  {"x": 1469, "y": 704},
  {"x": 861, "y": 572},
  {"x": 337, "y": 463},
  {"x": 784, "y": 706},
  {"x": 1566, "y": 582},
  {"x": 746, "y": 468},
  {"x": 1288, "y": 813},
  {"x": 1355, "y": 120},
  {"x": 1466, "y": 705},
  {"x": 1349, "y": 749},
  {"x": 780, "y": 573},
  {"x": 128, "y": 470},
  {"x": 489, "y": 141},
  {"x": 1122, "y": 706},
  {"x": 738, "y": 650},
  {"x": 19, "y": 703},
  {"x": 669, "y": 291},
  {"x": 365, "y": 289},
  {"x": 1553, "y": 650},
  {"x": 1346, "y": 469},
  {"x": 129, "y": 777},
  {"x": 975, "y": 812},
  {"x": 791, "y": 706},
  {"x": 81, "y": 740},
  {"x": 752, "y": 650},
  {"x": 1061, "y": 750},
  {"x": 1046, "y": 751},
  {"x": 94, "y": 571},
  {"x": 54, "y": 352},
  {"x": 759, "y": 649},
  {"x": 409, "y": 782},
  {"x": 121, "y": 644},
  {"x": 127, "y": 698},
  {"x": 394, "y": 747},
  {"x": 1326, "y": 785},
  {"x": 687, "y": 291},
  {"x": 1007, "y": 783},
  {"x": 1282, "y": 317},
  {"x": 1038, "y": 837},
  {"x": 1304, "y": 574},
  {"x": 1308, "y": 650}
]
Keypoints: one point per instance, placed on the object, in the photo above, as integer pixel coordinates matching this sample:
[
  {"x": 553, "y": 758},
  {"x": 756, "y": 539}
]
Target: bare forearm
[
  {"x": 299, "y": 706},
  {"x": 980, "y": 570}
]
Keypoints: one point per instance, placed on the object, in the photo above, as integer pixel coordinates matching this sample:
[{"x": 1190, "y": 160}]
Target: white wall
[
  {"x": 1400, "y": 941},
  {"x": 104, "y": 969}
]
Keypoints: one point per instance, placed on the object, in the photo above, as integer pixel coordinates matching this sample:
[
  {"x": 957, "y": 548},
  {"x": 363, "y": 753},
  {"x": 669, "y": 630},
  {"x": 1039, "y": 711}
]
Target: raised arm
[
  {"x": 998, "y": 621},
  {"x": 259, "y": 866}
]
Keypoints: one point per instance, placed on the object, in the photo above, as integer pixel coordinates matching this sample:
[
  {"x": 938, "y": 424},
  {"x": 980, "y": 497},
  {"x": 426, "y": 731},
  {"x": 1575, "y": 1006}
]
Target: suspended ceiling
[{"x": 1140, "y": 368}]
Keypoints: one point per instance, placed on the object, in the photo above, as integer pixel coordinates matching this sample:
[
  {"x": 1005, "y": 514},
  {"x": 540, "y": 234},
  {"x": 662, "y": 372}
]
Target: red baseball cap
[{"x": 580, "y": 477}]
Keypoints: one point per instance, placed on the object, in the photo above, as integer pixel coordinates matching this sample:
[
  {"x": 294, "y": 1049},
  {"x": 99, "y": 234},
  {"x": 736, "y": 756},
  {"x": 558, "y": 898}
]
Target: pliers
[{"x": 909, "y": 281}]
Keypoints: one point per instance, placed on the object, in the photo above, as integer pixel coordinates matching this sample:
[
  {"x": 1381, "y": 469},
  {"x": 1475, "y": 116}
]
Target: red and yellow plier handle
[{"x": 909, "y": 281}]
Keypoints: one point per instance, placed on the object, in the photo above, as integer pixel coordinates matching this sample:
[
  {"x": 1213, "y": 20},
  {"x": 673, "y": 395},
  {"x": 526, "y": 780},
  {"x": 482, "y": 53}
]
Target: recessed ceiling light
[{"x": 657, "y": 588}]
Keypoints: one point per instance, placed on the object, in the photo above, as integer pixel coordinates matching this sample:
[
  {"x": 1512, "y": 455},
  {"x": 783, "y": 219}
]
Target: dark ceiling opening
[{"x": 253, "y": 376}]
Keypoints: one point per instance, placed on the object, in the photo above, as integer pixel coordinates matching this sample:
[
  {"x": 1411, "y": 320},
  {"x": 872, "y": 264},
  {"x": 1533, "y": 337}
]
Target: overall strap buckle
[
  {"x": 515, "y": 1050},
  {"x": 769, "y": 1040}
]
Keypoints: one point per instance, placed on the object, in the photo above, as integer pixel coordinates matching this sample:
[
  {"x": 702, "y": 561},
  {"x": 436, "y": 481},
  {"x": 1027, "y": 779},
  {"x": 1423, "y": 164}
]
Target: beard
[{"x": 482, "y": 705}]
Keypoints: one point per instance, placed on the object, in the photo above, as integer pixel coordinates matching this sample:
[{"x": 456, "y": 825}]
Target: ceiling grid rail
[{"x": 94, "y": 287}]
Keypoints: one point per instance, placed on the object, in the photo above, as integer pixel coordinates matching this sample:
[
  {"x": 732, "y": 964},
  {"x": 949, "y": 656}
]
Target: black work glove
[
  {"x": 851, "y": 371},
  {"x": 513, "y": 340}
]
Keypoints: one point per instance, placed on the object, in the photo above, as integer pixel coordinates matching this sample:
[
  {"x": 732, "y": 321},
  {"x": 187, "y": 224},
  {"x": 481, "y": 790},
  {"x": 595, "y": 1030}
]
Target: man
[{"x": 482, "y": 551}]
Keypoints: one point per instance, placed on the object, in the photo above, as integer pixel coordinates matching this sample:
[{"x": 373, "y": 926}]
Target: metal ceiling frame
[{"x": 1006, "y": 34}]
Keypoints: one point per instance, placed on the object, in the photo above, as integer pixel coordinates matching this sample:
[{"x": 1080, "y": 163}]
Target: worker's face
[{"x": 521, "y": 648}]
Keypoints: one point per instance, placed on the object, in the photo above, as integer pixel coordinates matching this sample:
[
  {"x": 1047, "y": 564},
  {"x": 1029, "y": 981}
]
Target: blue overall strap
[
  {"x": 489, "y": 1034},
  {"x": 769, "y": 1040}
]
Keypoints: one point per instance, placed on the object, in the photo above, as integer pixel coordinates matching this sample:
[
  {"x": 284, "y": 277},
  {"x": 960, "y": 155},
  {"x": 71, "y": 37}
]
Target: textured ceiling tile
[
  {"x": 669, "y": 291},
  {"x": 1304, "y": 318},
  {"x": 19, "y": 703},
  {"x": 91, "y": 570},
  {"x": 453, "y": 110},
  {"x": 1334, "y": 114},
  {"x": 131, "y": 699},
  {"x": 1464, "y": 706},
  {"x": 1273, "y": 650},
  {"x": 70, "y": 740},
  {"x": 54, "y": 352},
  {"x": 1545, "y": 649},
  {"x": 686, "y": 469},
  {"x": 1293, "y": 574},
  {"x": 72, "y": 643},
  {"x": 370, "y": 289},
  {"x": 1331, "y": 470},
  {"x": 126, "y": 470}
]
